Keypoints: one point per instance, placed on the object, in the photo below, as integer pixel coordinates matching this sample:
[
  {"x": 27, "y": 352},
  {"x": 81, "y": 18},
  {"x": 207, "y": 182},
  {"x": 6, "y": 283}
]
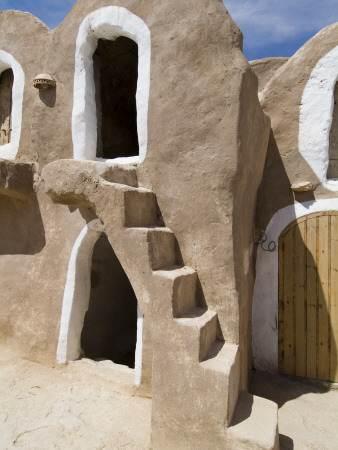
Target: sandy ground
[
  {"x": 307, "y": 414},
  {"x": 88, "y": 405},
  {"x": 83, "y": 405}
]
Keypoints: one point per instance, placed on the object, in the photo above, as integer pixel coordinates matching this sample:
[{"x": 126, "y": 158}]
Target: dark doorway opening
[
  {"x": 115, "y": 75},
  {"x": 6, "y": 85},
  {"x": 110, "y": 324}
]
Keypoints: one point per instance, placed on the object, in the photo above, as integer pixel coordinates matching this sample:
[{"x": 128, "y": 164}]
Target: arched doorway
[
  {"x": 110, "y": 324},
  {"x": 308, "y": 297},
  {"x": 82, "y": 291}
]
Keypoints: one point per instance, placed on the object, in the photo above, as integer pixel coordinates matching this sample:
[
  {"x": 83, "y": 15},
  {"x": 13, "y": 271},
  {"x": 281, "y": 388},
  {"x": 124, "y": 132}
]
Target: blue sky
[
  {"x": 280, "y": 27},
  {"x": 270, "y": 27}
]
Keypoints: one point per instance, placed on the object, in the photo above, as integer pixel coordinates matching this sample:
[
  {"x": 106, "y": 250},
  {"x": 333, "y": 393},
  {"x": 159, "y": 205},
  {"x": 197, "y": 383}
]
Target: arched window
[
  {"x": 115, "y": 75},
  {"x": 12, "y": 81},
  {"x": 318, "y": 118},
  {"x": 96, "y": 129}
]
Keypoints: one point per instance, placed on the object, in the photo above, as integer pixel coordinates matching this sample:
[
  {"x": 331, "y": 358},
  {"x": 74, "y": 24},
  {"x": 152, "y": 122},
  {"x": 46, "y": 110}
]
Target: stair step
[
  {"x": 161, "y": 247},
  {"x": 140, "y": 208},
  {"x": 125, "y": 174},
  {"x": 183, "y": 287},
  {"x": 205, "y": 321},
  {"x": 220, "y": 356},
  {"x": 222, "y": 360},
  {"x": 254, "y": 424}
]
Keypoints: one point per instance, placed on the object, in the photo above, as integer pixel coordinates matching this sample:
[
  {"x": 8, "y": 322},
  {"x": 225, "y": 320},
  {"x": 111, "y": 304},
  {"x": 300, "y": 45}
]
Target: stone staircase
[{"x": 195, "y": 374}]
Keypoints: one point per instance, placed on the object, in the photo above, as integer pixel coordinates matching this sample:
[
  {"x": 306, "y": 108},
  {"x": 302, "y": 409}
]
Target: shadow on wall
[
  {"x": 22, "y": 231},
  {"x": 48, "y": 96},
  {"x": 274, "y": 192}
]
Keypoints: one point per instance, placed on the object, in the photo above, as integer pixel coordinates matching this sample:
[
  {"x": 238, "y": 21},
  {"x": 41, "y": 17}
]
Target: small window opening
[
  {"x": 115, "y": 75},
  {"x": 6, "y": 85},
  {"x": 110, "y": 324},
  {"x": 332, "y": 171}
]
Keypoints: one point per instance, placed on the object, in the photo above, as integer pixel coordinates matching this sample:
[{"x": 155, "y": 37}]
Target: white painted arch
[
  {"x": 7, "y": 61},
  {"x": 316, "y": 117},
  {"x": 76, "y": 300},
  {"x": 107, "y": 23},
  {"x": 265, "y": 299}
]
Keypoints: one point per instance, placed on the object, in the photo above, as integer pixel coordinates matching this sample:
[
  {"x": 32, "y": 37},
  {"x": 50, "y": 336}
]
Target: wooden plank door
[{"x": 307, "y": 297}]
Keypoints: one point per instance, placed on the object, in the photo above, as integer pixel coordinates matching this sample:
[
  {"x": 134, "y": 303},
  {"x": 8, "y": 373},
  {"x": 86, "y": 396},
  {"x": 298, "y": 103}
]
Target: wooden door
[{"x": 307, "y": 297}]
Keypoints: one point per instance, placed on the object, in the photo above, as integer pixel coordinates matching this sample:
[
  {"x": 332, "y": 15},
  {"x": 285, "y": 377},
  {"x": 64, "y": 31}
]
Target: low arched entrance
[
  {"x": 112, "y": 327},
  {"x": 110, "y": 323}
]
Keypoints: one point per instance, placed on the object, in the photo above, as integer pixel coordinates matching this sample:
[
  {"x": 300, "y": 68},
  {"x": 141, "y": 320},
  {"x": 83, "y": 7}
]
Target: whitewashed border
[
  {"x": 7, "y": 61},
  {"x": 316, "y": 117},
  {"x": 76, "y": 300},
  {"x": 107, "y": 23}
]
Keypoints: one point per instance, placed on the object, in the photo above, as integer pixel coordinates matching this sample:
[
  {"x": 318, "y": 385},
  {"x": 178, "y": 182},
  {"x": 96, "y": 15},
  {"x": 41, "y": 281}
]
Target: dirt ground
[
  {"x": 307, "y": 414},
  {"x": 88, "y": 405},
  {"x": 84, "y": 405}
]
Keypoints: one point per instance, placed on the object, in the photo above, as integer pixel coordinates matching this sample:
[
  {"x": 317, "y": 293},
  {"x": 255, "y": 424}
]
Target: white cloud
[{"x": 275, "y": 21}]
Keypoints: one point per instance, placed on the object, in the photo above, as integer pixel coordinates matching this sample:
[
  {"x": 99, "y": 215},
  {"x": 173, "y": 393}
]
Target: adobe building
[
  {"x": 137, "y": 165},
  {"x": 295, "y": 307}
]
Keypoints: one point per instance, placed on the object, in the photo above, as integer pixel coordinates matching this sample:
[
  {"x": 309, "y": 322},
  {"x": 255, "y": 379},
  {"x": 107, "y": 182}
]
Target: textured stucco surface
[
  {"x": 25, "y": 38},
  {"x": 266, "y": 68},
  {"x": 35, "y": 249},
  {"x": 281, "y": 100},
  {"x": 190, "y": 202},
  {"x": 204, "y": 161},
  {"x": 295, "y": 88}
]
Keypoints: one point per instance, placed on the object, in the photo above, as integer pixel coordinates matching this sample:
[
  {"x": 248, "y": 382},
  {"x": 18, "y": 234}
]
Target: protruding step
[
  {"x": 221, "y": 356},
  {"x": 183, "y": 287},
  {"x": 223, "y": 359},
  {"x": 254, "y": 424},
  {"x": 118, "y": 173},
  {"x": 204, "y": 322},
  {"x": 140, "y": 208},
  {"x": 161, "y": 247}
]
